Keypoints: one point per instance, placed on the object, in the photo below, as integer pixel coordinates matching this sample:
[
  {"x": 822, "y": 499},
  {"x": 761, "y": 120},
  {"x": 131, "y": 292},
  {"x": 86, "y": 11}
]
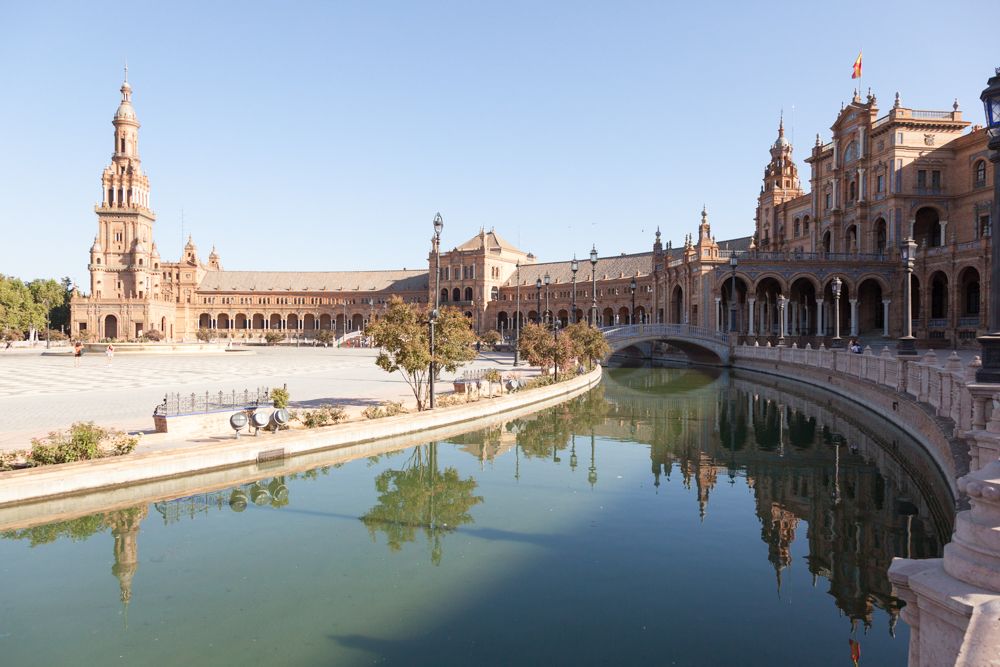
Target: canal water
[{"x": 668, "y": 517}]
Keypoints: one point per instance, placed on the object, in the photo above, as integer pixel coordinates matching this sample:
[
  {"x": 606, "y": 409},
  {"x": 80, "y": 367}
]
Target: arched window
[
  {"x": 456, "y": 294},
  {"x": 444, "y": 295},
  {"x": 98, "y": 260},
  {"x": 798, "y": 228},
  {"x": 852, "y": 191},
  {"x": 468, "y": 294},
  {"x": 805, "y": 225},
  {"x": 981, "y": 173},
  {"x": 494, "y": 293}
]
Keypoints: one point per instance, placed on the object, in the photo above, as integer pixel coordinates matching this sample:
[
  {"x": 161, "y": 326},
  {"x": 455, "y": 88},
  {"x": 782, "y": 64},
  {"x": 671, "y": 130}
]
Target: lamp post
[
  {"x": 733, "y": 262},
  {"x": 47, "y": 325},
  {"x": 517, "y": 318},
  {"x": 438, "y": 226},
  {"x": 990, "y": 371},
  {"x": 782, "y": 303},
  {"x": 836, "y": 286},
  {"x": 548, "y": 315},
  {"x": 907, "y": 345},
  {"x": 538, "y": 300},
  {"x": 574, "y": 266},
  {"x": 593, "y": 286},
  {"x": 631, "y": 315}
]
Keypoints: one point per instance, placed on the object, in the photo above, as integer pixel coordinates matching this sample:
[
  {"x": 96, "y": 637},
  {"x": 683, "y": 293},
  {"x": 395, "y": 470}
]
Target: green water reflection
[{"x": 668, "y": 516}]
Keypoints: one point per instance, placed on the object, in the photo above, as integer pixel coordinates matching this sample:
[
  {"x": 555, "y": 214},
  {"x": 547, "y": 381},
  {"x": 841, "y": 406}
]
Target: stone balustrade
[{"x": 952, "y": 603}]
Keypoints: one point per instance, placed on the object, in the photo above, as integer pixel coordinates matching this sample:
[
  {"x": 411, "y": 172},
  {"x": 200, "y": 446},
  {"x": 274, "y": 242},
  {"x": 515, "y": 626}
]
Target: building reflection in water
[{"x": 864, "y": 495}]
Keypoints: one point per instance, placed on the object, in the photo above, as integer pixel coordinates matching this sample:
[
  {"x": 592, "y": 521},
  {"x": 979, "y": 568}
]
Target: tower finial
[
  {"x": 126, "y": 70},
  {"x": 781, "y": 123}
]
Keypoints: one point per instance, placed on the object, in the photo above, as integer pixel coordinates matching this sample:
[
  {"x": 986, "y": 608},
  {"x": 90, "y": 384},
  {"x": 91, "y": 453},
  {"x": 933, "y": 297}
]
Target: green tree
[
  {"x": 324, "y": 336},
  {"x": 491, "y": 338},
  {"x": 421, "y": 497},
  {"x": 402, "y": 334},
  {"x": 18, "y": 311},
  {"x": 589, "y": 342}
]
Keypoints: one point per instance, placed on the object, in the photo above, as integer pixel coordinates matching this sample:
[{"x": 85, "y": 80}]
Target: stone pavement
[{"x": 39, "y": 393}]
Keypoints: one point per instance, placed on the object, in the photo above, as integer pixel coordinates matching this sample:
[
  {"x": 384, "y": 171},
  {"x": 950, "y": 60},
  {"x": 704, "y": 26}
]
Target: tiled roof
[
  {"x": 608, "y": 268},
  {"x": 313, "y": 281},
  {"x": 492, "y": 241},
  {"x": 740, "y": 244}
]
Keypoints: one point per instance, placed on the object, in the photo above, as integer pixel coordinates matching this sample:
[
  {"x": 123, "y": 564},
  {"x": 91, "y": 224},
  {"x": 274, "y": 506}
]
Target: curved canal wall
[
  {"x": 52, "y": 482},
  {"x": 952, "y": 603}
]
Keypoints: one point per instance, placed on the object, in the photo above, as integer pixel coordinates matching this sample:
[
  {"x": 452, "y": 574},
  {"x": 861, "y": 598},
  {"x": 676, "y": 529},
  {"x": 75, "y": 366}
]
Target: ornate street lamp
[
  {"x": 632, "y": 287},
  {"x": 907, "y": 345},
  {"x": 538, "y": 300},
  {"x": 548, "y": 316},
  {"x": 990, "y": 371},
  {"x": 782, "y": 304},
  {"x": 517, "y": 318},
  {"x": 438, "y": 226},
  {"x": 593, "y": 286},
  {"x": 733, "y": 262},
  {"x": 836, "y": 286},
  {"x": 574, "y": 266}
]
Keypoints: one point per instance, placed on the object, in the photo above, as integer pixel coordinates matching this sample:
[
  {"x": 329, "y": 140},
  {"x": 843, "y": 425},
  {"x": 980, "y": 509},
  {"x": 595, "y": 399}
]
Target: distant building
[{"x": 908, "y": 173}]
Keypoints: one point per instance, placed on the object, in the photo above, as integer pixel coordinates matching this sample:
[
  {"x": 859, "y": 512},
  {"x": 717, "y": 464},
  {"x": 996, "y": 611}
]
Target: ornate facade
[{"x": 881, "y": 179}]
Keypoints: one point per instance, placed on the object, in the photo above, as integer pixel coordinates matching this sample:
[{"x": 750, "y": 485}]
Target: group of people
[
  {"x": 109, "y": 353},
  {"x": 854, "y": 346}
]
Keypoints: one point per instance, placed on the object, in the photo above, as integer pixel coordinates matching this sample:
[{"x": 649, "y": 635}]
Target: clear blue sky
[{"x": 324, "y": 136}]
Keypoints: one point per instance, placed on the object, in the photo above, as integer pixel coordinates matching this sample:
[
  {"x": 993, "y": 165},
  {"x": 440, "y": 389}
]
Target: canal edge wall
[
  {"x": 936, "y": 434},
  {"x": 951, "y": 603},
  {"x": 35, "y": 484}
]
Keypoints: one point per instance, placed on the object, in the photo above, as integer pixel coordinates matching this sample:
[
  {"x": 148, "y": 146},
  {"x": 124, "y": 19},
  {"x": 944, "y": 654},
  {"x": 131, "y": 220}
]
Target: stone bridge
[{"x": 701, "y": 345}]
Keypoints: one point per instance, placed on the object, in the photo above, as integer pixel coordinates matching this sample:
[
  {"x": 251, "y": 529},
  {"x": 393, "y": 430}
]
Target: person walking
[
  {"x": 77, "y": 353},
  {"x": 110, "y": 353}
]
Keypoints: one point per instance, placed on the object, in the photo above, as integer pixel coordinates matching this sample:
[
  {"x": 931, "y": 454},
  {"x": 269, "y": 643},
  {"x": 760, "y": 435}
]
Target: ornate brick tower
[
  {"x": 781, "y": 183},
  {"x": 120, "y": 259}
]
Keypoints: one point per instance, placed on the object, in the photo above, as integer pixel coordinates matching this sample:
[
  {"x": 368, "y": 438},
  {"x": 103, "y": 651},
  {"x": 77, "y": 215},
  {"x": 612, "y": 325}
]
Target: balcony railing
[{"x": 931, "y": 115}]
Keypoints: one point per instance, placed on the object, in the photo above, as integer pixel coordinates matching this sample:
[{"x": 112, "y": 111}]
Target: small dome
[
  {"x": 97, "y": 246},
  {"x": 125, "y": 111},
  {"x": 140, "y": 246},
  {"x": 155, "y": 252},
  {"x": 782, "y": 142}
]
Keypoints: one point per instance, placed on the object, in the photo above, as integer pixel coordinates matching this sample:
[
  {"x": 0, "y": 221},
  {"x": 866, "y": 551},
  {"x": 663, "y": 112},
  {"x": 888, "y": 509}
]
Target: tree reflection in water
[{"x": 421, "y": 496}]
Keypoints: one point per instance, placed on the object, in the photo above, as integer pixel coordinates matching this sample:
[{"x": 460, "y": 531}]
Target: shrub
[
  {"x": 273, "y": 337},
  {"x": 373, "y": 412},
  {"x": 324, "y": 336},
  {"x": 324, "y": 415},
  {"x": 53, "y": 334},
  {"x": 491, "y": 338},
  {"x": 280, "y": 396},
  {"x": 153, "y": 335},
  {"x": 204, "y": 335},
  {"x": 82, "y": 442},
  {"x": 392, "y": 408}
]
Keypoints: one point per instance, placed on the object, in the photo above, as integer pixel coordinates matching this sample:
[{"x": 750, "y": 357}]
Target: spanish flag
[{"x": 857, "y": 68}]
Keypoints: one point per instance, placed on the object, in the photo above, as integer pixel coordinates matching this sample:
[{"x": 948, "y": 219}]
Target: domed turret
[{"x": 96, "y": 248}]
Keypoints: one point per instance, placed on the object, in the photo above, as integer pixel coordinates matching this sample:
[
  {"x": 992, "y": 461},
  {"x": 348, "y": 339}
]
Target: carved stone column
[
  {"x": 751, "y": 303},
  {"x": 854, "y": 316},
  {"x": 885, "y": 317}
]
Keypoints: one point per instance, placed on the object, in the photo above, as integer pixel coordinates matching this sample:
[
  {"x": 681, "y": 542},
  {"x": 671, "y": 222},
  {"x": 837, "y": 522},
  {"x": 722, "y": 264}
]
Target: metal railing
[{"x": 196, "y": 403}]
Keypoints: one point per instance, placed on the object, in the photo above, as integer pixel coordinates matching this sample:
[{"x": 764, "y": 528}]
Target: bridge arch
[{"x": 701, "y": 345}]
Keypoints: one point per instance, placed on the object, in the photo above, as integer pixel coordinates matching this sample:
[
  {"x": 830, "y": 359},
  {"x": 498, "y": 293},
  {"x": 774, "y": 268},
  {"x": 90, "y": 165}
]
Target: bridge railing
[
  {"x": 627, "y": 331},
  {"x": 949, "y": 388}
]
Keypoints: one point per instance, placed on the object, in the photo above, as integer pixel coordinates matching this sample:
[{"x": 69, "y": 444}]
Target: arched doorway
[
  {"x": 258, "y": 321},
  {"x": 732, "y": 304},
  {"x": 204, "y": 321},
  {"x": 309, "y": 322},
  {"x": 969, "y": 297},
  {"x": 939, "y": 297},
  {"x": 927, "y": 227},
  {"x": 563, "y": 316},
  {"x": 803, "y": 320},
  {"x": 241, "y": 321},
  {"x": 881, "y": 236},
  {"x": 607, "y": 317},
  {"x": 827, "y": 243},
  {"x": 768, "y": 322},
  {"x": 871, "y": 319},
  {"x": 640, "y": 315},
  {"x": 293, "y": 321},
  {"x": 623, "y": 317},
  {"x": 274, "y": 322},
  {"x": 843, "y": 312},
  {"x": 222, "y": 321},
  {"x": 111, "y": 327},
  {"x": 357, "y": 322},
  {"x": 851, "y": 245},
  {"x": 677, "y": 305}
]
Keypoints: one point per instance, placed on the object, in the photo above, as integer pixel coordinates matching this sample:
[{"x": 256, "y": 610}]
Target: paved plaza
[{"x": 41, "y": 392}]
